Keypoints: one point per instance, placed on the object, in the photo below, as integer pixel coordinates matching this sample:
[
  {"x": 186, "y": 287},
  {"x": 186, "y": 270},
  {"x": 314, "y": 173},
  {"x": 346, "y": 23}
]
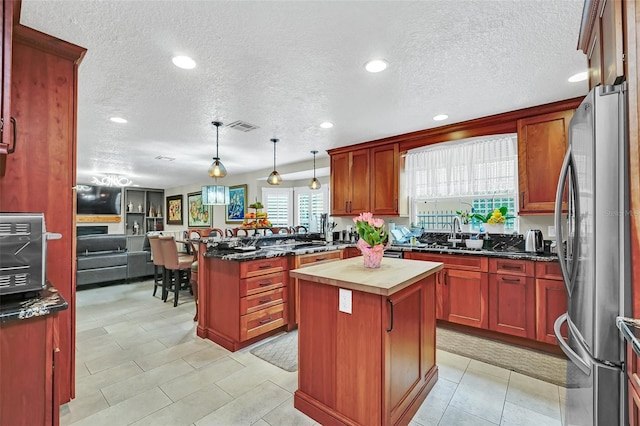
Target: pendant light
[
  {"x": 216, "y": 169},
  {"x": 274, "y": 178},
  {"x": 315, "y": 183},
  {"x": 214, "y": 195}
]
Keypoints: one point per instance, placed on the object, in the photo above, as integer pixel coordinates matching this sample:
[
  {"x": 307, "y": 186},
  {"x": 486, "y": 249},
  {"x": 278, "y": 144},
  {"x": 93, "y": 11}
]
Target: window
[
  {"x": 310, "y": 204},
  {"x": 283, "y": 211},
  {"x": 477, "y": 174},
  {"x": 278, "y": 203}
]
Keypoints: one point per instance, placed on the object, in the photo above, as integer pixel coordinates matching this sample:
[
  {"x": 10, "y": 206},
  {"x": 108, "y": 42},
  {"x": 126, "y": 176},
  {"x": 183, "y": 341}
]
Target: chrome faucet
[{"x": 455, "y": 226}]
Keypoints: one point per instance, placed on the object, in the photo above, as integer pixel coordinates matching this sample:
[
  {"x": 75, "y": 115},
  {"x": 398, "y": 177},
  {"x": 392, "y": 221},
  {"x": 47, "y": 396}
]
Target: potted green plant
[{"x": 495, "y": 220}]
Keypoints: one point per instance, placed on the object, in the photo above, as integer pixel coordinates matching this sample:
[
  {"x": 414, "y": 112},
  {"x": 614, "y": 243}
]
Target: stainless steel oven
[
  {"x": 23, "y": 252},
  {"x": 394, "y": 254}
]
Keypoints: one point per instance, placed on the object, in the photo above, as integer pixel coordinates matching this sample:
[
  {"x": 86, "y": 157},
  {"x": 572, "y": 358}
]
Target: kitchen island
[{"x": 366, "y": 353}]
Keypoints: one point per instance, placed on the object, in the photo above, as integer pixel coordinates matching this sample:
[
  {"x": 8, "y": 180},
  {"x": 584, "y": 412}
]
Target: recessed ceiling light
[
  {"x": 184, "y": 62},
  {"x": 326, "y": 125},
  {"x": 581, "y": 76},
  {"x": 118, "y": 120},
  {"x": 376, "y": 65},
  {"x": 441, "y": 117}
]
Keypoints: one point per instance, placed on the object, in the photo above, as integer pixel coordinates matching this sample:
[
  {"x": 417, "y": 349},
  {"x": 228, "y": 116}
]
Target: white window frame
[
  {"x": 288, "y": 192},
  {"x": 303, "y": 190}
]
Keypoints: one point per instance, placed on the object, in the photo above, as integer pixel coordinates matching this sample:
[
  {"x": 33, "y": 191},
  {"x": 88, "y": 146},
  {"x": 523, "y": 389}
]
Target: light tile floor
[{"x": 139, "y": 362}]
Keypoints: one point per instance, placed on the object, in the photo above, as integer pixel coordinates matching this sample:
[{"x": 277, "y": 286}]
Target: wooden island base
[{"x": 375, "y": 365}]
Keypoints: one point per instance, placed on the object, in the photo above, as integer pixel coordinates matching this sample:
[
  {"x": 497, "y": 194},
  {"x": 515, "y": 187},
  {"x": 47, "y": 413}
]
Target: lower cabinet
[
  {"x": 512, "y": 297},
  {"x": 462, "y": 289},
  {"x": 551, "y": 301},
  {"x": 28, "y": 385},
  {"x": 241, "y": 302}
]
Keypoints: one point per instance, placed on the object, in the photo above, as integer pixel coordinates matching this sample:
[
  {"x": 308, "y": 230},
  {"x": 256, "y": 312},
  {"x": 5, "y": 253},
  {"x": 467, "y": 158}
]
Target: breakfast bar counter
[{"x": 366, "y": 341}]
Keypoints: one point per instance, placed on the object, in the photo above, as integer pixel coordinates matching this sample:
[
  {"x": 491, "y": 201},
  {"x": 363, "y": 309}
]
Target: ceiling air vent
[{"x": 242, "y": 126}]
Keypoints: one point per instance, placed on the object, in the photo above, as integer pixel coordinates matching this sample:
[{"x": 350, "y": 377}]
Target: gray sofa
[{"x": 104, "y": 257}]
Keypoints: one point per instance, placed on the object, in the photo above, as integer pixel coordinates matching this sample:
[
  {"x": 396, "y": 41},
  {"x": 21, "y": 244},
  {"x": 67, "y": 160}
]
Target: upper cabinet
[
  {"x": 601, "y": 39},
  {"x": 542, "y": 143},
  {"x": 7, "y": 127},
  {"x": 365, "y": 180}
]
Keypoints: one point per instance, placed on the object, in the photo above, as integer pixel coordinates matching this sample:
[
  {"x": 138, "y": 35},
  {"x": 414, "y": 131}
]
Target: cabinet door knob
[{"x": 390, "y": 329}]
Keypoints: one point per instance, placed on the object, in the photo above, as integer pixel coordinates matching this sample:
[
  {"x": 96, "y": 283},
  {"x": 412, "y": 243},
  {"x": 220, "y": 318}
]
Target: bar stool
[
  {"x": 178, "y": 267},
  {"x": 158, "y": 262}
]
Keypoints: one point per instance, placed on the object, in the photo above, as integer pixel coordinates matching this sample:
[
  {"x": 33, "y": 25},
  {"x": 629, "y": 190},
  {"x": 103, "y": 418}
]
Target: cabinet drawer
[
  {"x": 466, "y": 263},
  {"x": 264, "y": 266},
  {"x": 511, "y": 267},
  {"x": 320, "y": 257},
  {"x": 262, "y": 300},
  {"x": 548, "y": 270},
  {"x": 633, "y": 367},
  {"x": 249, "y": 286},
  {"x": 259, "y": 322}
]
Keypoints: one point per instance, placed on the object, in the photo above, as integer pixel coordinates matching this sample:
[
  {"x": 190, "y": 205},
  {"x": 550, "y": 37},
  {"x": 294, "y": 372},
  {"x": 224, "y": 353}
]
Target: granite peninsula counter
[{"x": 366, "y": 351}]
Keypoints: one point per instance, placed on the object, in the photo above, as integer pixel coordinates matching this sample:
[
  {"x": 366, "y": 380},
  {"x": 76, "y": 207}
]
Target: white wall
[{"x": 255, "y": 181}]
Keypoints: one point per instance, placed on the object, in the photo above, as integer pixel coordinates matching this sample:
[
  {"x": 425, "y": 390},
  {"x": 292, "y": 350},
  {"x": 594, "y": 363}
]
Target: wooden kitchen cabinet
[
  {"x": 28, "y": 379},
  {"x": 542, "y": 144},
  {"x": 350, "y": 174},
  {"x": 462, "y": 288},
  {"x": 41, "y": 173},
  {"x": 6, "y": 126},
  {"x": 601, "y": 39},
  {"x": 633, "y": 386},
  {"x": 551, "y": 301},
  {"x": 384, "y": 179},
  {"x": 350, "y": 252},
  {"x": 512, "y": 297},
  {"x": 240, "y": 303},
  {"x": 366, "y": 180}
]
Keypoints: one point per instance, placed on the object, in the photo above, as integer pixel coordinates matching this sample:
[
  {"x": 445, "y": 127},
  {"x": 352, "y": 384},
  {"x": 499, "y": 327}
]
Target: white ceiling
[{"x": 287, "y": 66}]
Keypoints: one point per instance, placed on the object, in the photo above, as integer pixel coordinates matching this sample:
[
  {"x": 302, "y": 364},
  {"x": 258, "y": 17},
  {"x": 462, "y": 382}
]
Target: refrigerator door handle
[
  {"x": 578, "y": 360},
  {"x": 558, "y": 219}
]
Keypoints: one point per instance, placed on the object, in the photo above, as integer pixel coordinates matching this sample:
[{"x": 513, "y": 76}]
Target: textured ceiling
[{"x": 286, "y": 66}]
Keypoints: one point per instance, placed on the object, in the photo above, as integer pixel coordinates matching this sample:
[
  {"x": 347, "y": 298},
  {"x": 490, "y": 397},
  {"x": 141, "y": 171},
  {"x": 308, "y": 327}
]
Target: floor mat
[{"x": 281, "y": 351}]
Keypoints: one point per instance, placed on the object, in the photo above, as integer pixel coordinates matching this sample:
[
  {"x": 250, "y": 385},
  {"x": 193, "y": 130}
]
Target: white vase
[
  {"x": 465, "y": 228},
  {"x": 496, "y": 228}
]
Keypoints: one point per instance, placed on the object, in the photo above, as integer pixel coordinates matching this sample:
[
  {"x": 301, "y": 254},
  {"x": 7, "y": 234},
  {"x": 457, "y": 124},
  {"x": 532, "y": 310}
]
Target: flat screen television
[{"x": 98, "y": 199}]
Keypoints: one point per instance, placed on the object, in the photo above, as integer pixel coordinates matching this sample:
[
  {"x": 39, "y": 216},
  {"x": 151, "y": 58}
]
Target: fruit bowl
[{"x": 474, "y": 244}]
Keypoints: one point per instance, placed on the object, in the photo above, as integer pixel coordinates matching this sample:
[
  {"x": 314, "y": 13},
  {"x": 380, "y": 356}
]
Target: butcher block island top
[
  {"x": 366, "y": 340},
  {"x": 392, "y": 276}
]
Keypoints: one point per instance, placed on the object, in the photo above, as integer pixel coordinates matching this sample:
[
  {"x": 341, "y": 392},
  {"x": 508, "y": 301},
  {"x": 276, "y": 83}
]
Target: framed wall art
[
  {"x": 174, "y": 210},
  {"x": 198, "y": 215},
  {"x": 237, "y": 206}
]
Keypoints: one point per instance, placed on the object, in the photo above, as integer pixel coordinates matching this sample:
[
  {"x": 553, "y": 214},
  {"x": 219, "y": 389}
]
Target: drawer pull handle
[
  {"x": 390, "y": 329},
  {"x": 268, "y": 299},
  {"x": 318, "y": 259},
  {"x": 266, "y": 320},
  {"x": 513, "y": 280},
  {"x": 268, "y": 265},
  {"x": 512, "y": 267},
  {"x": 262, "y": 284}
]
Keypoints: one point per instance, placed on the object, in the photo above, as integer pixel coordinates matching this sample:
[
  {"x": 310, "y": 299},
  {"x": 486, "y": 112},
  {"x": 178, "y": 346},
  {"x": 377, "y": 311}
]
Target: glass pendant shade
[
  {"x": 217, "y": 169},
  {"x": 274, "y": 178},
  {"x": 315, "y": 183},
  {"x": 213, "y": 195}
]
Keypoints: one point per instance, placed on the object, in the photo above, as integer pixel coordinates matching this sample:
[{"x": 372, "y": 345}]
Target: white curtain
[{"x": 470, "y": 167}]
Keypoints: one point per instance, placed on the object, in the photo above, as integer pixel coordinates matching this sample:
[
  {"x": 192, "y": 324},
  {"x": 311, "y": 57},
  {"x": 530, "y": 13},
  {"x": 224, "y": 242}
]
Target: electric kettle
[{"x": 533, "y": 241}]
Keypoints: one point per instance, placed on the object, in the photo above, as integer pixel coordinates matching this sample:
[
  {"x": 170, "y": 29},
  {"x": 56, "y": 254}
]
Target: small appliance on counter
[
  {"x": 23, "y": 252},
  {"x": 533, "y": 241}
]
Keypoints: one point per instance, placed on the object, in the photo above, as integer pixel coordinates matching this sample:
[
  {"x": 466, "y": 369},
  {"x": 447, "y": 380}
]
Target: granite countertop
[
  {"x": 424, "y": 248},
  {"x": 273, "y": 251},
  {"x": 630, "y": 329},
  {"x": 392, "y": 276},
  {"x": 46, "y": 302}
]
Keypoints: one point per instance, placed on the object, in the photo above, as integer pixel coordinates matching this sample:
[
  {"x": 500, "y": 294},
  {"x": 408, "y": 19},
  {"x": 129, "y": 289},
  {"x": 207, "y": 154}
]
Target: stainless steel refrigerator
[{"x": 595, "y": 263}]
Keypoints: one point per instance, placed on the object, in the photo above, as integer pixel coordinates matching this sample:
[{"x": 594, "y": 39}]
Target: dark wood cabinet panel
[
  {"x": 384, "y": 180},
  {"x": 359, "y": 176},
  {"x": 542, "y": 143},
  {"x": 551, "y": 302},
  {"x": 466, "y": 297},
  {"x": 340, "y": 185},
  {"x": 42, "y": 171},
  {"x": 27, "y": 381},
  {"x": 6, "y": 140},
  {"x": 512, "y": 301},
  {"x": 594, "y": 59}
]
